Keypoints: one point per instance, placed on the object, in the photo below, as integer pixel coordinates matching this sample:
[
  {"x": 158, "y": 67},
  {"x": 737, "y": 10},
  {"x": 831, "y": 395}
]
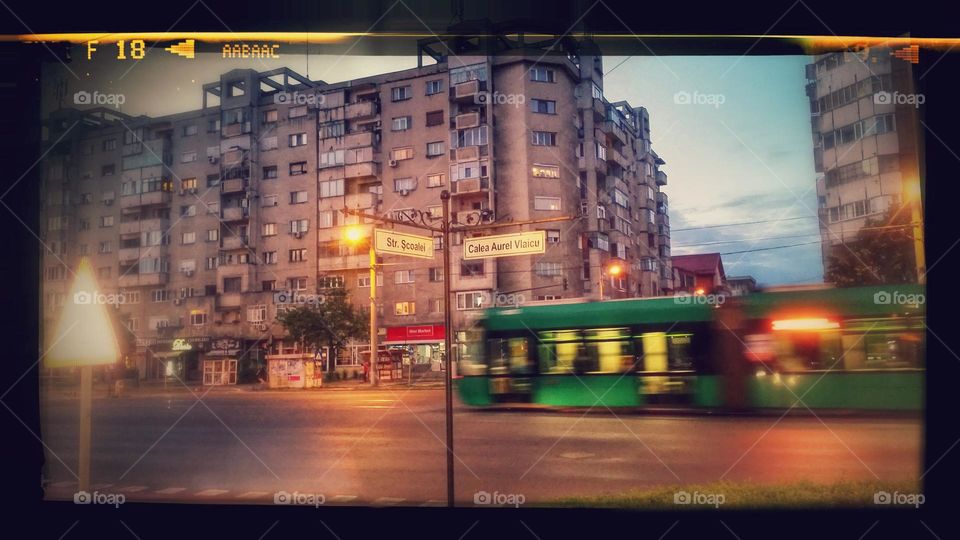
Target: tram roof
[{"x": 880, "y": 300}]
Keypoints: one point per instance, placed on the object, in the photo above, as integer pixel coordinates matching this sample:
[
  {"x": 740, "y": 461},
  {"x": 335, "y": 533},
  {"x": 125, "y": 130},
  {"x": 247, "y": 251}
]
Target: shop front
[
  {"x": 220, "y": 362},
  {"x": 421, "y": 345},
  {"x": 176, "y": 358}
]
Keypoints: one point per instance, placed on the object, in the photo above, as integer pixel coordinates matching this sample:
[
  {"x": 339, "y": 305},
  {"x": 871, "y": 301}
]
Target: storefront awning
[{"x": 166, "y": 355}]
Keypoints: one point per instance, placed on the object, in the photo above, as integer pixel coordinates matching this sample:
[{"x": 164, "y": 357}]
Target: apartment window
[
  {"x": 297, "y": 112},
  {"x": 257, "y": 314},
  {"x": 542, "y": 75},
  {"x": 298, "y": 197},
  {"x": 553, "y": 236},
  {"x": 270, "y": 200},
  {"x": 269, "y": 257},
  {"x": 405, "y": 308},
  {"x": 435, "y": 149},
  {"x": 188, "y": 238},
  {"x": 332, "y": 129},
  {"x": 434, "y": 87},
  {"x": 188, "y": 157},
  {"x": 475, "y": 72},
  {"x": 437, "y": 243},
  {"x": 469, "y": 137},
  {"x": 160, "y": 295},
  {"x": 86, "y": 198},
  {"x": 103, "y": 272},
  {"x": 325, "y": 219},
  {"x": 470, "y": 269},
  {"x": 298, "y": 139},
  {"x": 299, "y": 225},
  {"x": 297, "y": 168},
  {"x": 189, "y": 130},
  {"x": 363, "y": 280},
  {"x": 109, "y": 170},
  {"x": 188, "y": 183},
  {"x": 109, "y": 144},
  {"x": 106, "y": 221},
  {"x": 404, "y": 184},
  {"x": 298, "y": 255},
  {"x": 547, "y": 269},
  {"x": 268, "y": 285},
  {"x": 434, "y": 180},
  {"x": 434, "y": 118},
  {"x": 436, "y": 275},
  {"x": 398, "y": 154},
  {"x": 270, "y": 116},
  {"x": 595, "y": 91},
  {"x": 213, "y": 180},
  {"x": 269, "y": 143},
  {"x": 546, "y": 203},
  {"x": 540, "y": 170},
  {"x": 213, "y": 125},
  {"x": 601, "y": 151},
  {"x": 270, "y": 172},
  {"x": 213, "y": 235},
  {"x": 543, "y": 106},
  {"x": 332, "y": 158},
  {"x": 544, "y": 138},
  {"x": 331, "y": 188},
  {"x": 198, "y": 318},
  {"x": 400, "y": 93},
  {"x": 435, "y": 210},
  {"x": 403, "y": 276},
  {"x": 131, "y": 297},
  {"x": 620, "y": 198},
  {"x": 297, "y": 284},
  {"x": 269, "y": 229},
  {"x": 188, "y": 210},
  {"x": 470, "y": 300},
  {"x": 105, "y": 247},
  {"x": 401, "y": 123}
]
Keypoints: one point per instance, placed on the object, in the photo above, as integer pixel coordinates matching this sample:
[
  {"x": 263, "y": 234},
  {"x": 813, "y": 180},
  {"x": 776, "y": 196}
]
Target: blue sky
[{"x": 739, "y": 151}]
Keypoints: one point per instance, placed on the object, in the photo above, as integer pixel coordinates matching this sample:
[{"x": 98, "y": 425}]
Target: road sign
[
  {"x": 504, "y": 245},
  {"x": 409, "y": 245}
]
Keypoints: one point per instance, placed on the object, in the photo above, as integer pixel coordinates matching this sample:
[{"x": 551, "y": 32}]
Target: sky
[{"x": 734, "y": 132}]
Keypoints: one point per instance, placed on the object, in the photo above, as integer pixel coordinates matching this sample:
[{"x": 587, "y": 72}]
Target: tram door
[{"x": 512, "y": 370}]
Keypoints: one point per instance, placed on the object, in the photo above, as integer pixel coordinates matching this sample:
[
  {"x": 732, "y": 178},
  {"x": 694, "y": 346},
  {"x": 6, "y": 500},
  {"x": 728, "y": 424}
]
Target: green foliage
[
  {"x": 882, "y": 253},
  {"x": 331, "y": 324}
]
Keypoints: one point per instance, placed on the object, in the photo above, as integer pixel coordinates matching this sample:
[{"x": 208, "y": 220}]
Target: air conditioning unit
[
  {"x": 298, "y": 234},
  {"x": 213, "y": 159},
  {"x": 393, "y": 163},
  {"x": 404, "y": 192},
  {"x": 177, "y": 301}
]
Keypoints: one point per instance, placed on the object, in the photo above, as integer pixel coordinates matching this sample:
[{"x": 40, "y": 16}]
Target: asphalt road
[{"x": 386, "y": 448}]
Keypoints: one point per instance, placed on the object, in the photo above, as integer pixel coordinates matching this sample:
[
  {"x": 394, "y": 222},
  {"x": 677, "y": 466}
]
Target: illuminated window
[
  {"x": 435, "y": 180},
  {"x": 398, "y": 154},
  {"x": 405, "y": 308},
  {"x": 546, "y": 203},
  {"x": 545, "y": 171}
]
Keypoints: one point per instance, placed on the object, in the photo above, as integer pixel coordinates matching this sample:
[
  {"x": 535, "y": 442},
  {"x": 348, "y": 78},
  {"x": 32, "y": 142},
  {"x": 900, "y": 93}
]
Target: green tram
[{"x": 855, "y": 348}]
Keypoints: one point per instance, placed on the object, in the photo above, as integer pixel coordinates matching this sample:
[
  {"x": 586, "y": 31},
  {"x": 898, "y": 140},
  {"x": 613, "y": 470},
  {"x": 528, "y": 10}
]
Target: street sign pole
[
  {"x": 86, "y": 405},
  {"x": 374, "y": 345},
  {"x": 448, "y": 343}
]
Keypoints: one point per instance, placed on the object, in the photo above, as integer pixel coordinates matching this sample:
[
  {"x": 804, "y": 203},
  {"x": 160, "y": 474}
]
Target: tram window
[
  {"x": 680, "y": 352},
  {"x": 607, "y": 351},
  {"x": 797, "y": 351},
  {"x": 509, "y": 355},
  {"x": 471, "y": 360},
  {"x": 883, "y": 344},
  {"x": 558, "y": 351},
  {"x": 652, "y": 352},
  {"x": 892, "y": 351}
]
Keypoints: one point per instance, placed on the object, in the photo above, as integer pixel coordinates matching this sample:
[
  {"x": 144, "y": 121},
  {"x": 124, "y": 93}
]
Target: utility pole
[
  {"x": 448, "y": 343},
  {"x": 374, "y": 342}
]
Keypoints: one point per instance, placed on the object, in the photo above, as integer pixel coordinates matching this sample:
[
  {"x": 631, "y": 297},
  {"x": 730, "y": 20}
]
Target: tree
[
  {"x": 331, "y": 323},
  {"x": 881, "y": 253}
]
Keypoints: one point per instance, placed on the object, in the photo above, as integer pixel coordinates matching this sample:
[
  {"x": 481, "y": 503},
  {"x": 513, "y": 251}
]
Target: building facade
[
  {"x": 866, "y": 145},
  {"x": 211, "y": 222}
]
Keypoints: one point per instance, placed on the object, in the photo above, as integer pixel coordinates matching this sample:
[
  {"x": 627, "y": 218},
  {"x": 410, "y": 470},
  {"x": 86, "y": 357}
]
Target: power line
[
  {"x": 743, "y": 223},
  {"x": 748, "y": 240},
  {"x": 772, "y": 247}
]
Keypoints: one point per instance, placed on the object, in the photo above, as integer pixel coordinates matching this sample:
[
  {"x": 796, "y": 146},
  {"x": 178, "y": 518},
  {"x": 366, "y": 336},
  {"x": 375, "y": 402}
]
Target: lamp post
[
  {"x": 611, "y": 269},
  {"x": 354, "y": 235},
  {"x": 913, "y": 193},
  {"x": 83, "y": 338}
]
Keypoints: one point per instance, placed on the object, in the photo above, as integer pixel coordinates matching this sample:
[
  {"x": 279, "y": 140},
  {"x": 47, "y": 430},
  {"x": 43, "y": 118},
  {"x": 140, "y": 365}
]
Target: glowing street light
[
  {"x": 613, "y": 268},
  {"x": 355, "y": 234},
  {"x": 84, "y": 338}
]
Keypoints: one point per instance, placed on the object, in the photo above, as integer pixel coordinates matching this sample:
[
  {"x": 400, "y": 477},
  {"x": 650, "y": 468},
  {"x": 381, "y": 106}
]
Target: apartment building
[
  {"x": 866, "y": 146},
  {"x": 211, "y": 222}
]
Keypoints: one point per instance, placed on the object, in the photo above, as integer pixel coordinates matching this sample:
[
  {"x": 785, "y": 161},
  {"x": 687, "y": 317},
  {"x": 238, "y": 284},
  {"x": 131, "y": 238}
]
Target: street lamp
[
  {"x": 913, "y": 195},
  {"x": 613, "y": 268},
  {"x": 355, "y": 234},
  {"x": 84, "y": 338}
]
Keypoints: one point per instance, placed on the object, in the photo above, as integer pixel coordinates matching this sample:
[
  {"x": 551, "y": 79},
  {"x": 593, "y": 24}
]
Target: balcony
[
  {"x": 598, "y": 164},
  {"x": 661, "y": 178},
  {"x": 232, "y": 130},
  {"x": 614, "y": 131},
  {"x": 235, "y": 185},
  {"x": 235, "y": 242},
  {"x": 361, "y": 109},
  {"x": 343, "y": 262},
  {"x": 487, "y": 281},
  {"x": 145, "y": 199},
  {"x": 468, "y": 120},
  {"x": 229, "y": 301},
  {"x": 128, "y": 254},
  {"x": 359, "y": 200},
  {"x": 129, "y": 228},
  {"x": 467, "y": 153},
  {"x": 143, "y": 280},
  {"x": 235, "y": 214},
  {"x": 467, "y": 91},
  {"x": 361, "y": 170},
  {"x": 470, "y": 185},
  {"x": 357, "y": 140}
]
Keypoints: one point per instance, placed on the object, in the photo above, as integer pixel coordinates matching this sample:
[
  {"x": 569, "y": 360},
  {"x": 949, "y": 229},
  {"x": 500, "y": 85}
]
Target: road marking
[
  {"x": 342, "y": 498},
  {"x": 577, "y": 455},
  {"x": 253, "y": 495},
  {"x": 171, "y": 490},
  {"x": 211, "y": 492},
  {"x": 375, "y": 406},
  {"x": 434, "y": 503},
  {"x": 132, "y": 489},
  {"x": 387, "y": 501}
]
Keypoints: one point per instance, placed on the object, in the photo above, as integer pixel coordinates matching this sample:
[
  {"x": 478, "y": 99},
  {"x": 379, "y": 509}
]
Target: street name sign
[
  {"x": 505, "y": 245},
  {"x": 409, "y": 245}
]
